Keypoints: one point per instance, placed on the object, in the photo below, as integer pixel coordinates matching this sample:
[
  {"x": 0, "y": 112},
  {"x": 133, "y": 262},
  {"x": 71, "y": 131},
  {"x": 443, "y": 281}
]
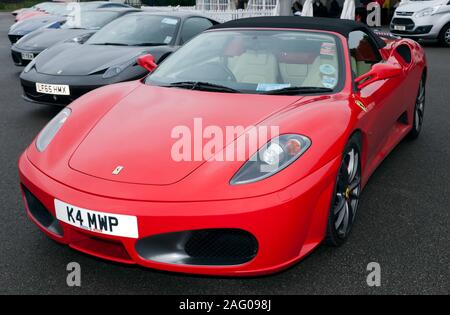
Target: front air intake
[
  {"x": 41, "y": 214},
  {"x": 214, "y": 247}
]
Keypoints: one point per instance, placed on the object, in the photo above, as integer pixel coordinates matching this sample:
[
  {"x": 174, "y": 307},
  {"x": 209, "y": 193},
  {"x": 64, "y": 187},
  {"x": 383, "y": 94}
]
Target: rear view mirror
[
  {"x": 379, "y": 71},
  {"x": 147, "y": 62}
]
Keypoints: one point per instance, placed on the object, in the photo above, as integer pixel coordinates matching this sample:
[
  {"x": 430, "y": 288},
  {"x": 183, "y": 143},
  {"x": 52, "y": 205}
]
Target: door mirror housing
[
  {"x": 147, "y": 62},
  {"x": 379, "y": 71}
]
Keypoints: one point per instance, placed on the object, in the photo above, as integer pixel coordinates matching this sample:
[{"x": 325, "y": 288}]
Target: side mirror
[
  {"x": 147, "y": 62},
  {"x": 379, "y": 71}
]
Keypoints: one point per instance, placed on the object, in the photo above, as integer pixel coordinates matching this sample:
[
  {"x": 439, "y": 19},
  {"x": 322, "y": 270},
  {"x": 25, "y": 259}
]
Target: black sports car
[
  {"x": 22, "y": 28},
  {"x": 68, "y": 70},
  {"x": 31, "y": 45},
  {"x": 57, "y": 13}
]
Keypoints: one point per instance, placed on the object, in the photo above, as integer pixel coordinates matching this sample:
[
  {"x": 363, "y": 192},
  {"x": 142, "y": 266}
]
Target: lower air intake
[
  {"x": 213, "y": 247},
  {"x": 41, "y": 214}
]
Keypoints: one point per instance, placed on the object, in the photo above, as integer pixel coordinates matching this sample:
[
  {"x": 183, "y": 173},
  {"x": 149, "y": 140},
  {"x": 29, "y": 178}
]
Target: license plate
[
  {"x": 27, "y": 56},
  {"x": 53, "y": 89},
  {"x": 98, "y": 222},
  {"x": 400, "y": 27}
]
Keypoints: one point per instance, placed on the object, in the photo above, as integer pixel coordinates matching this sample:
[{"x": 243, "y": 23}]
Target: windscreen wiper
[
  {"x": 150, "y": 44},
  {"x": 202, "y": 86},
  {"x": 111, "y": 44},
  {"x": 299, "y": 90}
]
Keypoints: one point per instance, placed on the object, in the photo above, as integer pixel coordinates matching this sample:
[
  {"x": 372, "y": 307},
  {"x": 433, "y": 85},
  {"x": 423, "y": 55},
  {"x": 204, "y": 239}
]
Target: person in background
[
  {"x": 241, "y": 4},
  {"x": 319, "y": 9},
  {"x": 335, "y": 9},
  {"x": 297, "y": 8}
]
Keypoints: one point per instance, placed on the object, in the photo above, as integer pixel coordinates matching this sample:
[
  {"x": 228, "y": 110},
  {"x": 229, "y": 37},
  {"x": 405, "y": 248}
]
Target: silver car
[{"x": 423, "y": 19}]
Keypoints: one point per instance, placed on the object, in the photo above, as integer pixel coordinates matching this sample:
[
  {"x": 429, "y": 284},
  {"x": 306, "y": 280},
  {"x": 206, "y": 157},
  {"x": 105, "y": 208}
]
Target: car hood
[
  {"x": 29, "y": 14},
  {"x": 64, "y": 60},
  {"x": 139, "y": 132},
  {"x": 415, "y": 6},
  {"x": 27, "y": 26},
  {"x": 44, "y": 38}
]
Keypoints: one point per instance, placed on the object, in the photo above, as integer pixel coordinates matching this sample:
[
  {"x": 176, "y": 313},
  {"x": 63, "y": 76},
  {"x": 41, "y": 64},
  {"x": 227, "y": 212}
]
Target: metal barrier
[{"x": 222, "y": 10}]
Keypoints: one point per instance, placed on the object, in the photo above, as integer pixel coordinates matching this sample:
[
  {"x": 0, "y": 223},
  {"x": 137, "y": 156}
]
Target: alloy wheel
[
  {"x": 347, "y": 193},
  {"x": 447, "y": 36},
  {"x": 420, "y": 107}
]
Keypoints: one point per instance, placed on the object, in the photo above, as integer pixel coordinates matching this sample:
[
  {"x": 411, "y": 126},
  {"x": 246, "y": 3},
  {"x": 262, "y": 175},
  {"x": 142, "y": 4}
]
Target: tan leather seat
[
  {"x": 255, "y": 67},
  {"x": 294, "y": 74},
  {"x": 314, "y": 77}
]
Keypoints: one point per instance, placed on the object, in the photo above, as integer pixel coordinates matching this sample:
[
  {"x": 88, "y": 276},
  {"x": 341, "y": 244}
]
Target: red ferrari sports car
[{"x": 140, "y": 172}]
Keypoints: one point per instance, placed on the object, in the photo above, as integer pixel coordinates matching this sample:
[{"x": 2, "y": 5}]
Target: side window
[
  {"x": 363, "y": 52},
  {"x": 194, "y": 26}
]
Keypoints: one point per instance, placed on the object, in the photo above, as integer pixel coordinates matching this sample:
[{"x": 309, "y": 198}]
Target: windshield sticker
[
  {"x": 169, "y": 21},
  {"x": 266, "y": 87},
  {"x": 168, "y": 39},
  {"x": 329, "y": 82},
  {"x": 328, "y": 49},
  {"x": 327, "y": 69}
]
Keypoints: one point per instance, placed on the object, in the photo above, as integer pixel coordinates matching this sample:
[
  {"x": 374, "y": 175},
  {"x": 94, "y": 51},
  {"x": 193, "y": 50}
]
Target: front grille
[
  {"x": 40, "y": 213},
  {"x": 17, "y": 57},
  {"x": 408, "y": 23},
  {"x": 221, "y": 244},
  {"x": 402, "y": 21},
  {"x": 404, "y": 13},
  {"x": 208, "y": 247},
  {"x": 14, "y": 38},
  {"x": 29, "y": 89}
]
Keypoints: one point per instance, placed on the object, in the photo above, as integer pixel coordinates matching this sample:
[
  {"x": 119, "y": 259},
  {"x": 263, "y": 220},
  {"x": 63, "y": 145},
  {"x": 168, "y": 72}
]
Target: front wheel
[
  {"x": 444, "y": 36},
  {"x": 346, "y": 195}
]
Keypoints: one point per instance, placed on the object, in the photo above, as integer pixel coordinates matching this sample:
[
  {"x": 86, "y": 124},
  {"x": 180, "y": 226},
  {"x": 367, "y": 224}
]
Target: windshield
[
  {"x": 57, "y": 9},
  {"x": 92, "y": 20},
  {"x": 91, "y": 5},
  {"x": 136, "y": 30},
  {"x": 258, "y": 62},
  {"x": 43, "y": 5}
]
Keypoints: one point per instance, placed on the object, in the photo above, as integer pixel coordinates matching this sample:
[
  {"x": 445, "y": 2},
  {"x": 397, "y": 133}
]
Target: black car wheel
[
  {"x": 444, "y": 36},
  {"x": 346, "y": 195},
  {"x": 419, "y": 110}
]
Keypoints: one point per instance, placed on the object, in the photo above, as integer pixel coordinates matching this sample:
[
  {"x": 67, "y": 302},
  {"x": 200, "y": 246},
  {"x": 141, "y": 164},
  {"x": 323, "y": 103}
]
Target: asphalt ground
[{"x": 403, "y": 223}]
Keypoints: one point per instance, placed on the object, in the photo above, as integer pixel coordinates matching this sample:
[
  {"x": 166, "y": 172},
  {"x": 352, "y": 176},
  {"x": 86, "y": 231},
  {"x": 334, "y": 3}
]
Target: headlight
[
  {"x": 30, "y": 66},
  {"x": 426, "y": 12},
  {"x": 274, "y": 156},
  {"x": 115, "y": 70},
  {"x": 49, "y": 132},
  {"x": 81, "y": 39}
]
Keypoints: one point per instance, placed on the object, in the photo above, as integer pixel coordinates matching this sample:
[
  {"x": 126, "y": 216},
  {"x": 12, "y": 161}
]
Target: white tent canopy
[
  {"x": 348, "y": 11},
  {"x": 308, "y": 8}
]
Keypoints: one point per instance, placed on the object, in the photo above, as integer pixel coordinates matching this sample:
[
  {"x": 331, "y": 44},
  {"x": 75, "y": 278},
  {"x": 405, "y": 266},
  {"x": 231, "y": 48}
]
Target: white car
[{"x": 423, "y": 19}]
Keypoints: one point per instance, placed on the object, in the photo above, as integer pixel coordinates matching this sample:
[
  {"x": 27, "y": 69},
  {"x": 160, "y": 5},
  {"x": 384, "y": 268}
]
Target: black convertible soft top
[{"x": 344, "y": 27}]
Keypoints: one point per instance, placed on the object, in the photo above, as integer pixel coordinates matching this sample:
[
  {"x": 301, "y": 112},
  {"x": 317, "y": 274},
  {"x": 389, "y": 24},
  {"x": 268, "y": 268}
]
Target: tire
[
  {"x": 444, "y": 36},
  {"x": 419, "y": 111},
  {"x": 345, "y": 200}
]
